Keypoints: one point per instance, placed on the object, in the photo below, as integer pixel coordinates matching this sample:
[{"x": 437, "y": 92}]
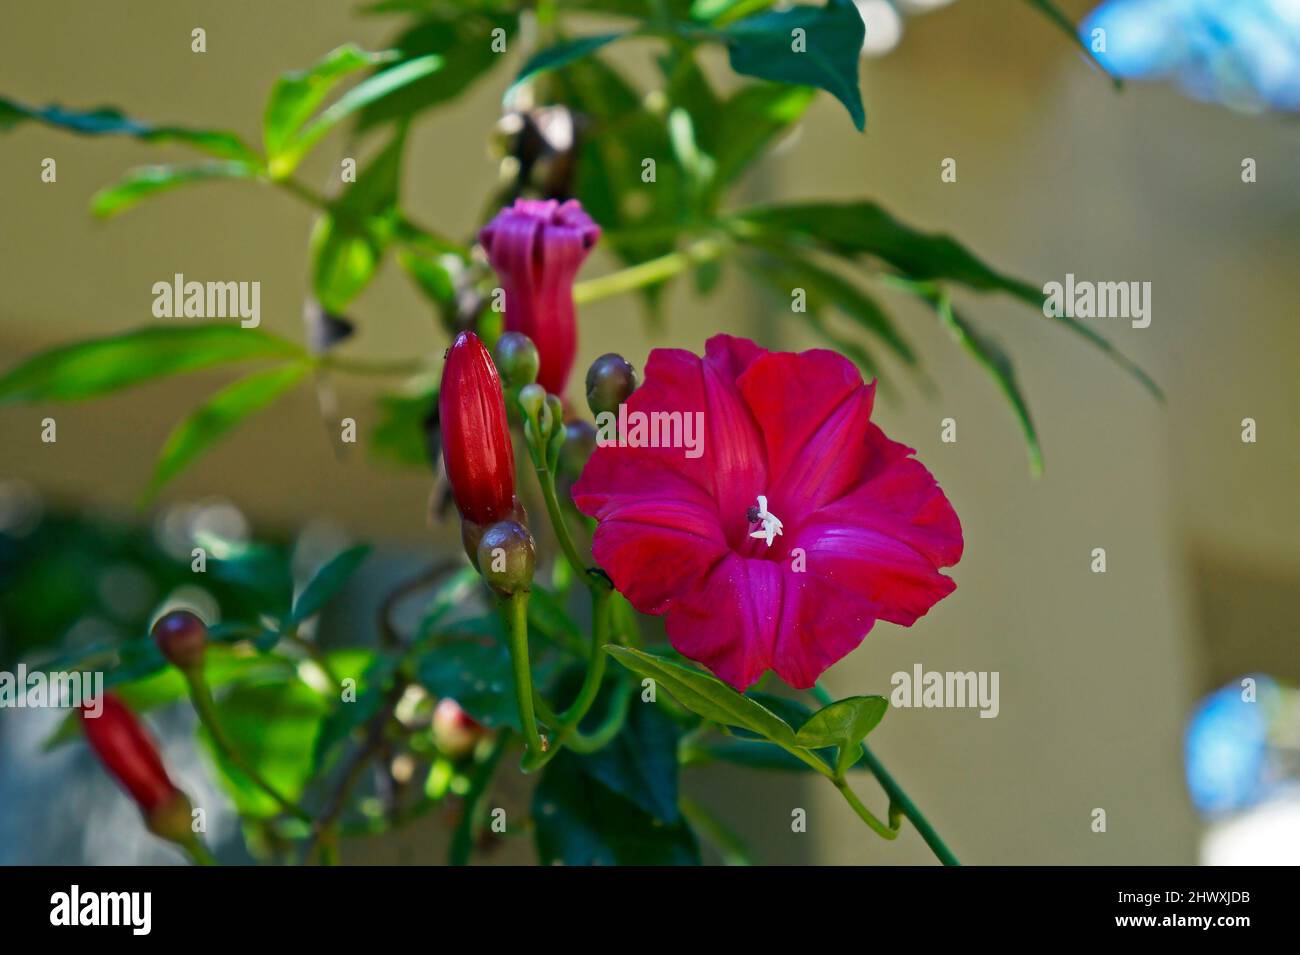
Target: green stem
[
  {"x": 729, "y": 845},
  {"x": 650, "y": 272},
  {"x": 205, "y": 707},
  {"x": 587, "y": 693},
  {"x": 865, "y": 814},
  {"x": 516, "y": 609},
  {"x": 546, "y": 480},
  {"x": 898, "y": 799},
  {"x": 462, "y": 844}
]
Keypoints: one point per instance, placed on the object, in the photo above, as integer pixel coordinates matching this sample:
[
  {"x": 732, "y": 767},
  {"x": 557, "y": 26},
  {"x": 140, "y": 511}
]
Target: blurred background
[{"x": 1057, "y": 173}]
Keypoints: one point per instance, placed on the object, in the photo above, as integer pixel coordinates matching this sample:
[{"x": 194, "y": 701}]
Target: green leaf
[
  {"x": 148, "y": 181},
  {"x": 580, "y": 821},
  {"x": 399, "y": 435},
  {"x": 750, "y": 120},
  {"x": 347, "y": 717},
  {"x": 864, "y": 228},
  {"x": 368, "y": 91},
  {"x": 477, "y": 675},
  {"x": 641, "y": 763},
  {"x": 350, "y": 240},
  {"x": 108, "y": 121},
  {"x": 790, "y": 270},
  {"x": 274, "y": 726},
  {"x": 297, "y": 94},
  {"x": 763, "y": 45},
  {"x": 217, "y": 417},
  {"x": 327, "y": 582},
  {"x": 559, "y": 55},
  {"x": 993, "y": 359},
  {"x": 643, "y": 219},
  {"x": 1066, "y": 25},
  {"x": 99, "y": 366},
  {"x": 843, "y": 724},
  {"x": 463, "y": 40},
  {"x": 706, "y": 695}
]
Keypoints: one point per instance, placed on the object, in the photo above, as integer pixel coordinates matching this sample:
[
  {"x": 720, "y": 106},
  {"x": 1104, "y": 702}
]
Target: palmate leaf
[
  {"x": 146, "y": 181},
  {"x": 296, "y": 95},
  {"x": 100, "y": 366},
  {"x": 109, "y": 121},
  {"x": 218, "y": 416},
  {"x": 369, "y": 91},
  {"x": 462, "y": 39}
]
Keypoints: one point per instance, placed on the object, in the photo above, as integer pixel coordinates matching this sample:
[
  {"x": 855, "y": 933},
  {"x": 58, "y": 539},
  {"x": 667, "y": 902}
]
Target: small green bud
[
  {"x": 507, "y": 556},
  {"x": 611, "y": 379},
  {"x": 532, "y": 398},
  {"x": 517, "y": 359}
]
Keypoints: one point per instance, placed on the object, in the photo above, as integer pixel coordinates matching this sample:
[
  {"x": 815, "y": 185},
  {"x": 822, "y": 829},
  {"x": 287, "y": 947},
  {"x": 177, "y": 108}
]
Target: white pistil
[{"x": 771, "y": 523}]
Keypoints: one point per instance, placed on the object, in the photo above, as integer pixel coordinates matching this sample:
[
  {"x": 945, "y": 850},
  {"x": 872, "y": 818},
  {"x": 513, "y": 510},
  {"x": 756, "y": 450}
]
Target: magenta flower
[
  {"x": 537, "y": 247},
  {"x": 798, "y": 526}
]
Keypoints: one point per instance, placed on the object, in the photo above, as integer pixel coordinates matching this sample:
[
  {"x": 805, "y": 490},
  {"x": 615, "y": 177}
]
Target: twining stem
[
  {"x": 898, "y": 799},
  {"x": 516, "y": 611},
  {"x": 462, "y": 844},
  {"x": 865, "y": 814},
  {"x": 205, "y": 707},
  {"x": 566, "y": 728}
]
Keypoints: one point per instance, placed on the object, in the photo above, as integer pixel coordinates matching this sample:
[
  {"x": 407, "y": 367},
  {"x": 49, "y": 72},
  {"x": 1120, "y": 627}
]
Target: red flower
[
  {"x": 128, "y": 753},
  {"x": 475, "y": 435},
  {"x": 537, "y": 247},
  {"x": 797, "y": 526}
]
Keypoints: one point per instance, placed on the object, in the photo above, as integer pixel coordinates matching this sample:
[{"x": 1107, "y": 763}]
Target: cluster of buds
[{"x": 480, "y": 465}]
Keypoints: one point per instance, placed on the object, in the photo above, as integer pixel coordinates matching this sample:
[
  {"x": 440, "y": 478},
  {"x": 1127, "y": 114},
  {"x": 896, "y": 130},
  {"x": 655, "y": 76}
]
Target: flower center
[{"x": 761, "y": 515}]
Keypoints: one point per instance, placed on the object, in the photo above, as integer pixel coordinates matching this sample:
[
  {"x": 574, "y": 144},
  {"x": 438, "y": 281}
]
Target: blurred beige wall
[{"x": 1056, "y": 174}]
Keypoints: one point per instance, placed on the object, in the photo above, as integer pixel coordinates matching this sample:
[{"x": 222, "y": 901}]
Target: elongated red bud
[
  {"x": 475, "y": 435},
  {"x": 128, "y": 753}
]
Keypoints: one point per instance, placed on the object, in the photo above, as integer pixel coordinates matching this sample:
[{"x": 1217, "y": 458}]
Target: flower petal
[
  {"x": 814, "y": 412},
  {"x": 887, "y": 539},
  {"x": 729, "y": 622}
]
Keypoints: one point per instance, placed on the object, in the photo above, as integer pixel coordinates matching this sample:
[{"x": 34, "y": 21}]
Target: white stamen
[{"x": 771, "y": 523}]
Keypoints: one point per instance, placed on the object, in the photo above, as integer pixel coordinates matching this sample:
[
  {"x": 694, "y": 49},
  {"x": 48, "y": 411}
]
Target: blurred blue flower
[
  {"x": 1243, "y": 53},
  {"x": 1226, "y": 747}
]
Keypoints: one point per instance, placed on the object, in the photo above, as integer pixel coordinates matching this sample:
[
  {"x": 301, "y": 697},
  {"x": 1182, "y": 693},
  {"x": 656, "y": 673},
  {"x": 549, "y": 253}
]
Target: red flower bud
[
  {"x": 128, "y": 753},
  {"x": 475, "y": 435},
  {"x": 455, "y": 732},
  {"x": 537, "y": 247}
]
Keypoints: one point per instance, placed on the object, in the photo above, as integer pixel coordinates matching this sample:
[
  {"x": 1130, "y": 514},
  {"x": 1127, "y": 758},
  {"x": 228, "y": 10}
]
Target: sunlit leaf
[
  {"x": 297, "y": 94},
  {"x": 140, "y": 184},
  {"x": 99, "y": 366},
  {"x": 108, "y": 121},
  {"x": 218, "y": 416},
  {"x": 327, "y": 582}
]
